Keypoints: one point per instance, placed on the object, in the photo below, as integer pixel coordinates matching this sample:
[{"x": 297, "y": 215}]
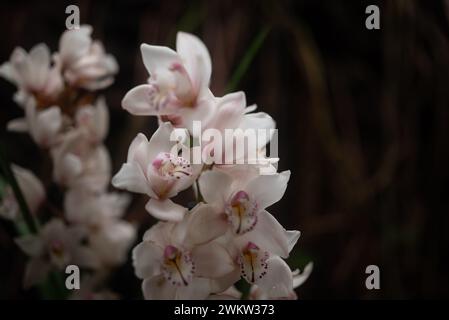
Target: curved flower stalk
[
  {"x": 201, "y": 253},
  {"x": 64, "y": 114},
  {"x": 35, "y": 77}
]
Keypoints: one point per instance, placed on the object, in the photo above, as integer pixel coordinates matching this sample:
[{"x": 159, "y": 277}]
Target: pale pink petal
[
  {"x": 165, "y": 210},
  {"x": 292, "y": 236},
  {"x": 268, "y": 189},
  {"x": 160, "y": 141},
  {"x": 74, "y": 44},
  {"x": 261, "y": 122},
  {"x": 18, "y": 125},
  {"x": 278, "y": 282},
  {"x": 147, "y": 258},
  {"x": 196, "y": 59},
  {"x": 157, "y": 288},
  {"x": 205, "y": 224},
  {"x": 230, "y": 111},
  {"x": 215, "y": 186},
  {"x": 223, "y": 283},
  {"x": 300, "y": 278},
  {"x": 138, "y": 150},
  {"x": 130, "y": 177},
  {"x": 158, "y": 57},
  {"x": 139, "y": 101},
  {"x": 9, "y": 73},
  {"x": 31, "y": 187},
  {"x": 198, "y": 289},
  {"x": 40, "y": 59},
  {"x": 212, "y": 260},
  {"x": 268, "y": 234}
]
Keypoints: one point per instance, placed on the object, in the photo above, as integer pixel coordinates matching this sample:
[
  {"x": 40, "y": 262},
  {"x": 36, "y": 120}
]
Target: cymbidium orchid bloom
[
  {"x": 109, "y": 236},
  {"x": 44, "y": 126},
  {"x": 153, "y": 169},
  {"x": 55, "y": 247},
  {"x": 175, "y": 265},
  {"x": 32, "y": 190},
  {"x": 178, "y": 87},
  {"x": 36, "y": 79},
  {"x": 244, "y": 202},
  {"x": 64, "y": 115},
  {"x": 83, "y": 61}
]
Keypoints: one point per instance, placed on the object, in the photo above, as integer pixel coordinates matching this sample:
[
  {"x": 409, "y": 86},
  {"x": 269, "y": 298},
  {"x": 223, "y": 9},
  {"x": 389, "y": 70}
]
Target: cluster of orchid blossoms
[
  {"x": 65, "y": 115},
  {"x": 202, "y": 252}
]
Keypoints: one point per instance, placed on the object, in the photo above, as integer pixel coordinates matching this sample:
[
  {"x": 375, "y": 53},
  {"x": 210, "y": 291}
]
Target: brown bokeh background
[{"x": 362, "y": 118}]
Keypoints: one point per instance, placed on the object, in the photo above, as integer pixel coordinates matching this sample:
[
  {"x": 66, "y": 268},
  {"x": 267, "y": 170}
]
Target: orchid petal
[
  {"x": 212, "y": 260},
  {"x": 146, "y": 258},
  {"x": 158, "y": 57},
  {"x": 196, "y": 59},
  {"x": 165, "y": 209},
  {"x": 268, "y": 189},
  {"x": 215, "y": 186}
]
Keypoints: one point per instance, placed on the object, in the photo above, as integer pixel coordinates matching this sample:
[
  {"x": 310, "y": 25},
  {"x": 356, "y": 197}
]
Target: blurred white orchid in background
[
  {"x": 94, "y": 120},
  {"x": 83, "y": 61},
  {"x": 109, "y": 236},
  {"x": 56, "y": 246},
  {"x": 179, "y": 261},
  {"x": 79, "y": 164},
  {"x": 36, "y": 79},
  {"x": 64, "y": 114}
]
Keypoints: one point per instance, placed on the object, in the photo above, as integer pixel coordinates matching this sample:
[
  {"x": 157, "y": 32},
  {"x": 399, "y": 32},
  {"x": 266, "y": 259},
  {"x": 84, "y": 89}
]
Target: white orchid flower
[
  {"x": 176, "y": 266},
  {"x": 178, "y": 88},
  {"x": 258, "y": 293},
  {"x": 33, "y": 75},
  {"x": 244, "y": 203},
  {"x": 152, "y": 169}
]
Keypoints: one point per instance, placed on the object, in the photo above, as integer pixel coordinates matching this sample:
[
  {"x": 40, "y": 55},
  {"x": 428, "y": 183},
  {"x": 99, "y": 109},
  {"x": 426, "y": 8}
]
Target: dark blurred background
[{"x": 362, "y": 118}]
